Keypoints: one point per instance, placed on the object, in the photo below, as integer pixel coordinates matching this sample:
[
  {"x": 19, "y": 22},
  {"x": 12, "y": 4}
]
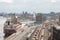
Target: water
[
  {"x": 27, "y": 22},
  {"x": 2, "y": 21}
]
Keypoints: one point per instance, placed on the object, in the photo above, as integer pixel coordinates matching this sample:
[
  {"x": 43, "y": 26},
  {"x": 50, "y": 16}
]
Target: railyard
[
  {"x": 32, "y": 33},
  {"x": 41, "y": 29}
]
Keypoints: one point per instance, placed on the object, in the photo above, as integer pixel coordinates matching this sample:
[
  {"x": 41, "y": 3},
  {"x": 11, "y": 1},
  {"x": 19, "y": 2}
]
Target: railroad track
[{"x": 41, "y": 33}]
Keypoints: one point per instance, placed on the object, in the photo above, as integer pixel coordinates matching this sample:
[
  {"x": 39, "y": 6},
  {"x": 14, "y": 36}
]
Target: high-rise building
[{"x": 40, "y": 18}]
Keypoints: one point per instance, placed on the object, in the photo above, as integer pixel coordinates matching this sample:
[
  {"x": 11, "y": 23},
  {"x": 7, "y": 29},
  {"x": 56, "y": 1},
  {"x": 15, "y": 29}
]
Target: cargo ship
[{"x": 11, "y": 26}]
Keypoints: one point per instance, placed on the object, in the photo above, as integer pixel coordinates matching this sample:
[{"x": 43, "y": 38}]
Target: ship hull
[{"x": 8, "y": 32}]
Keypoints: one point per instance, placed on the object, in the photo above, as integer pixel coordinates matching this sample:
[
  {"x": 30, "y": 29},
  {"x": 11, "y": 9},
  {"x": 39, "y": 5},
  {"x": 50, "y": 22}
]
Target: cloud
[
  {"x": 29, "y": 5},
  {"x": 7, "y": 1},
  {"x": 53, "y": 1}
]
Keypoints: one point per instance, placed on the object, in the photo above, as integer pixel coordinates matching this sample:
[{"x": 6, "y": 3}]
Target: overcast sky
[{"x": 29, "y": 5}]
